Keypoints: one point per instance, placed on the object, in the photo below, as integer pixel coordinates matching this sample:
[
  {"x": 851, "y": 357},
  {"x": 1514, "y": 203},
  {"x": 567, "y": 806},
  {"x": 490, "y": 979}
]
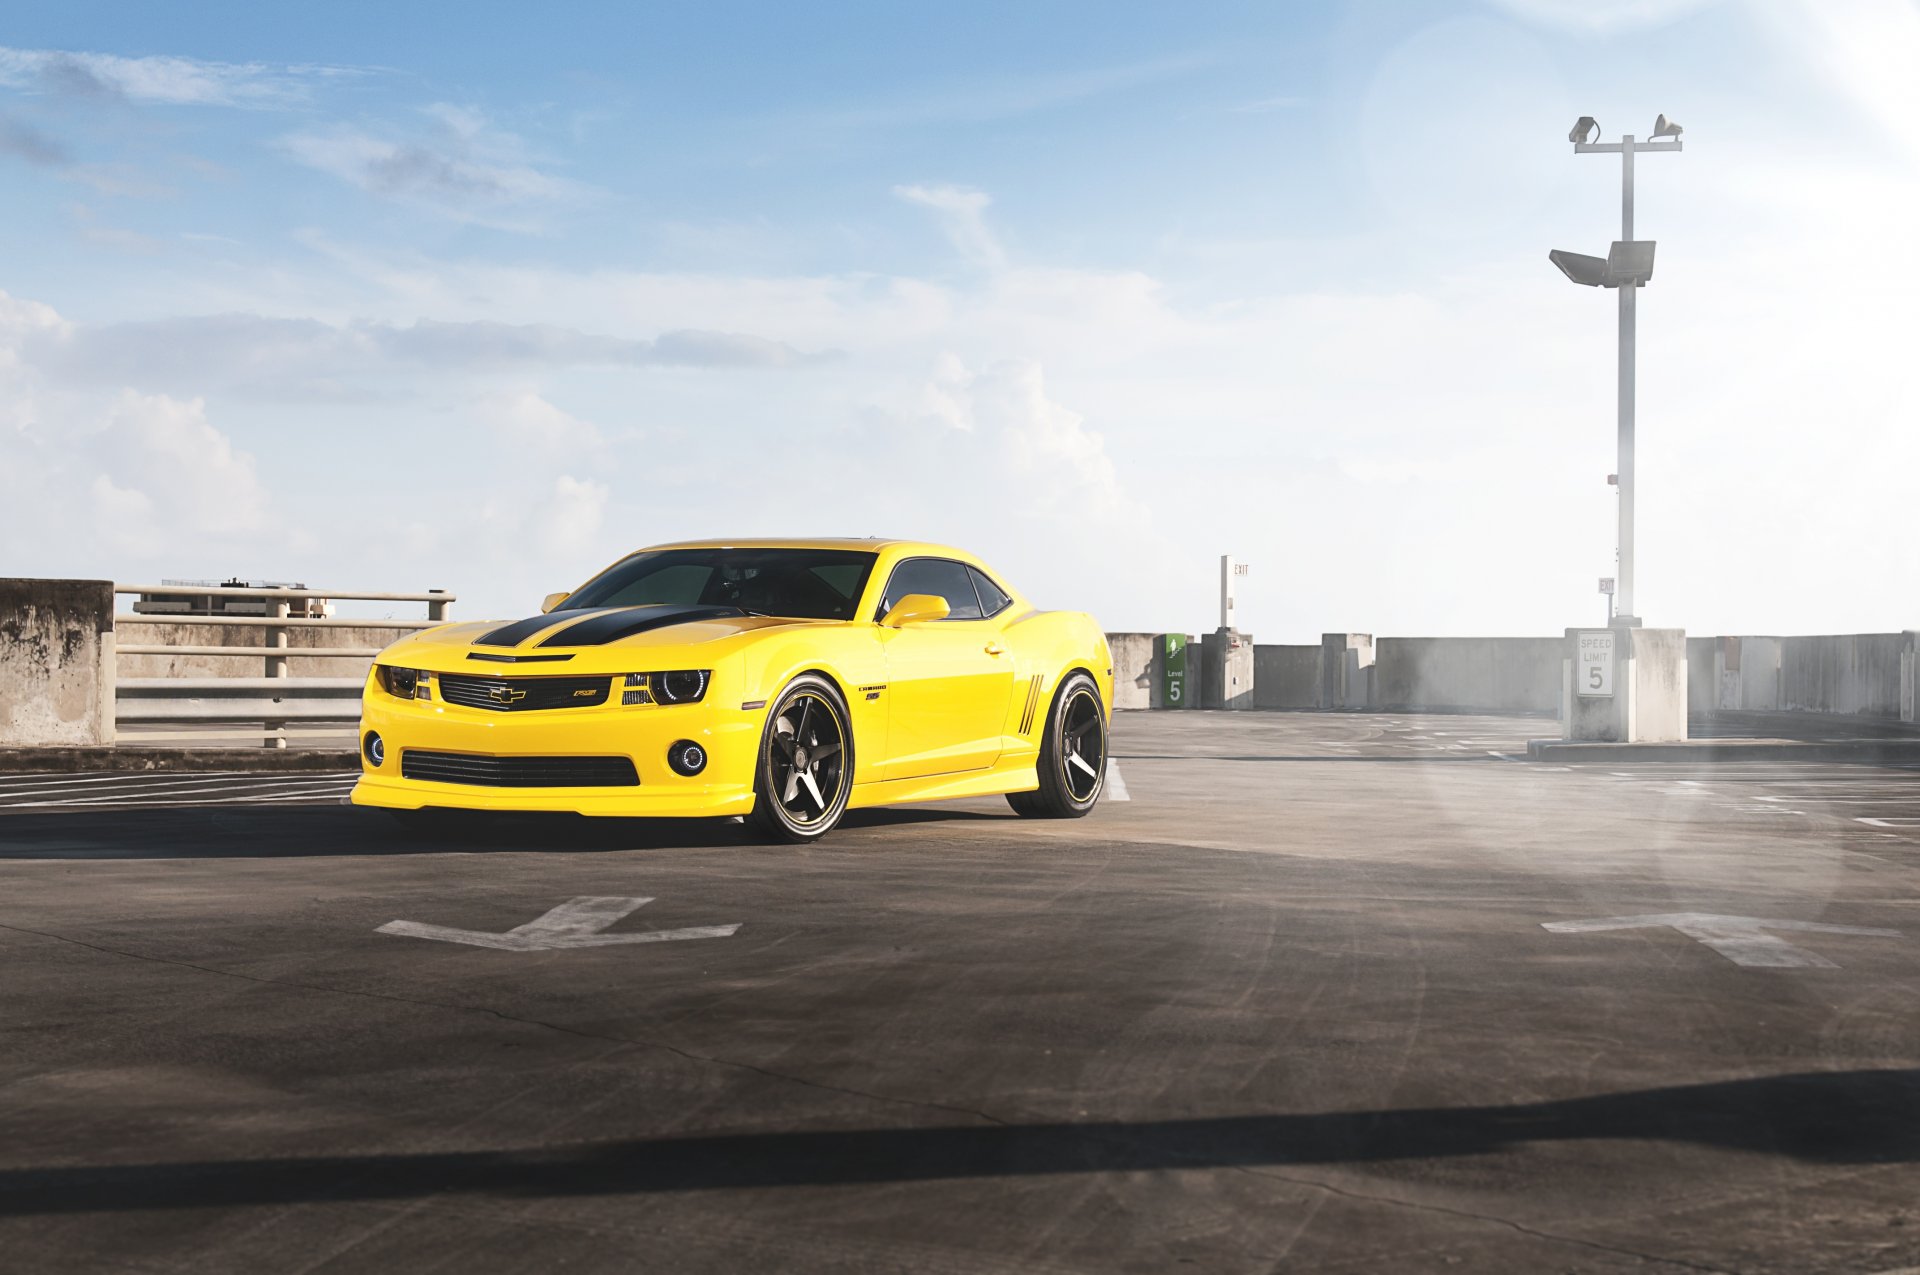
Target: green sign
[{"x": 1173, "y": 670}]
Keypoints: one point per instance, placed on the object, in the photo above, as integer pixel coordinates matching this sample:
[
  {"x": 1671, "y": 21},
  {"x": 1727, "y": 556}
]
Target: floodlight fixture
[
  {"x": 1629, "y": 263},
  {"x": 1582, "y": 269},
  {"x": 1664, "y": 127},
  {"x": 1585, "y": 129}
]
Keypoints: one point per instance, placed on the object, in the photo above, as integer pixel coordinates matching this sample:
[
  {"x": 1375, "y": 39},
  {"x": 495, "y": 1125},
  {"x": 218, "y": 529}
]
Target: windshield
[{"x": 810, "y": 584}]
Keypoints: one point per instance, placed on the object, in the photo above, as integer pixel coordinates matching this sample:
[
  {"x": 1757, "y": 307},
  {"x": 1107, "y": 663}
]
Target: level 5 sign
[{"x": 1593, "y": 675}]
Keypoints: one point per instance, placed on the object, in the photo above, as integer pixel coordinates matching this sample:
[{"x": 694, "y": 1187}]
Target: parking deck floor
[{"x": 1328, "y": 993}]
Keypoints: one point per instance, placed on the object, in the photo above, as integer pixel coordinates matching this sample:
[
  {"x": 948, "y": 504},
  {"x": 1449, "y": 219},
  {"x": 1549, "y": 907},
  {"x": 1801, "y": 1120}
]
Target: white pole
[
  {"x": 1627, "y": 295},
  {"x": 1226, "y": 591}
]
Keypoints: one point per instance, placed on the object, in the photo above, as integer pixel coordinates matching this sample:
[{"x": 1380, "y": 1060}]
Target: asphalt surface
[{"x": 1294, "y": 1006}]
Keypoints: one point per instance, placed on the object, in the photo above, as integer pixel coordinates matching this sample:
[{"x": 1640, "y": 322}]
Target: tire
[
  {"x": 803, "y": 773},
  {"x": 1073, "y": 755},
  {"x": 1025, "y": 804}
]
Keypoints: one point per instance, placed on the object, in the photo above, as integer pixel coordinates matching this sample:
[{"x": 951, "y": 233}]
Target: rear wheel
[
  {"x": 805, "y": 771},
  {"x": 1073, "y": 755}
]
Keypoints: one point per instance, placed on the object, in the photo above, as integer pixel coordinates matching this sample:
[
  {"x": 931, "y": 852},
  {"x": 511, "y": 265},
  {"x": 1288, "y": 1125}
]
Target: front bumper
[{"x": 730, "y": 736}]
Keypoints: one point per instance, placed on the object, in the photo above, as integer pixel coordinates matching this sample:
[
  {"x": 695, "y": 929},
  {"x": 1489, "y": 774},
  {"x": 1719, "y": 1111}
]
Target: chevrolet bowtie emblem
[{"x": 505, "y": 694}]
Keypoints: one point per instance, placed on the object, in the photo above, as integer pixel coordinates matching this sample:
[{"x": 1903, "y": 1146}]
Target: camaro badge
[{"x": 505, "y": 694}]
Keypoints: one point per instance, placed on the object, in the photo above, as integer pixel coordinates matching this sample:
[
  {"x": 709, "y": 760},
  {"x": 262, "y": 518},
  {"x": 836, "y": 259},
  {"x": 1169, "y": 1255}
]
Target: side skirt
[{"x": 1019, "y": 776}]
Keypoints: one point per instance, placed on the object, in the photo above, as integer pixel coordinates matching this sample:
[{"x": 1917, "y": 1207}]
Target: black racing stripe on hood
[
  {"x": 520, "y": 630},
  {"x": 611, "y": 626}
]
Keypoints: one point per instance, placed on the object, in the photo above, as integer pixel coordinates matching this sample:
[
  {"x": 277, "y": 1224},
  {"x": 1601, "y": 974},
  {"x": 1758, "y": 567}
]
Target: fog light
[
  {"x": 687, "y": 758},
  {"x": 376, "y": 749}
]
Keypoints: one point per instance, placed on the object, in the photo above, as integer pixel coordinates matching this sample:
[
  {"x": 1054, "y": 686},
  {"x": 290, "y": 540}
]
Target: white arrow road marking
[
  {"x": 1116, "y": 786},
  {"x": 575, "y": 923},
  {"x": 1738, "y": 938}
]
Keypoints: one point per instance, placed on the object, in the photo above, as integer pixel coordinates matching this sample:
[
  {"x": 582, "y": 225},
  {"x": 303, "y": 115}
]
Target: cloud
[
  {"x": 297, "y": 357},
  {"x": 531, "y": 423},
  {"x": 1603, "y": 17},
  {"x": 983, "y": 99},
  {"x": 161, "y": 80},
  {"x": 189, "y": 474},
  {"x": 1261, "y": 106},
  {"x": 963, "y": 215},
  {"x": 460, "y": 168},
  {"x": 1868, "y": 50},
  {"x": 23, "y": 141},
  {"x": 97, "y": 479},
  {"x": 569, "y": 521},
  {"x": 1061, "y": 466}
]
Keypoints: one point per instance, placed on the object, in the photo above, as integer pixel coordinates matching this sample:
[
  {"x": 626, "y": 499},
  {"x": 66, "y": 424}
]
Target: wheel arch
[{"x": 1060, "y": 684}]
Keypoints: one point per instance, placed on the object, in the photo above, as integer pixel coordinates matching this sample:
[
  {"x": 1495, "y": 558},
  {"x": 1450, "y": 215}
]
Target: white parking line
[
  {"x": 19, "y": 782},
  {"x": 12, "y": 782},
  {"x": 90, "y": 795},
  {"x": 196, "y": 796}
]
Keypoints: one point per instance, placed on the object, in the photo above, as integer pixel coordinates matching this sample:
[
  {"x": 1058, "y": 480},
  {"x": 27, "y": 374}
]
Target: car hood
[{"x": 575, "y": 641}]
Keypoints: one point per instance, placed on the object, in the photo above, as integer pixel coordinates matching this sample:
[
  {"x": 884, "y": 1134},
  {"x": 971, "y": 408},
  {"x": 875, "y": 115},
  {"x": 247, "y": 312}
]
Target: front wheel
[
  {"x": 1073, "y": 755},
  {"x": 805, "y": 770}
]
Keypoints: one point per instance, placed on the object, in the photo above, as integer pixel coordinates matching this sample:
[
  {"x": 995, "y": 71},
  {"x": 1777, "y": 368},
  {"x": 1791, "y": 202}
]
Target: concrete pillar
[
  {"x": 1226, "y": 669},
  {"x": 1339, "y": 675},
  {"x": 56, "y": 662},
  {"x": 1133, "y": 659},
  {"x": 1646, "y": 672}
]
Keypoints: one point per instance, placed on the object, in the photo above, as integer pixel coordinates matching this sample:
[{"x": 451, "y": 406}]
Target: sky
[{"x": 477, "y": 297}]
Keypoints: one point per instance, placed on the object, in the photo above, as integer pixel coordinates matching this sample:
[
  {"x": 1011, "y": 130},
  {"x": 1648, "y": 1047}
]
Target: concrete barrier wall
[
  {"x": 1703, "y": 682},
  {"x": 56, "y": 662},
  {"x": 1857, "y": 673},
  {"x": 1495, "y": 674},
  {"x": 1745, "y": 673},
  {"x": 1910, "y": 676},
  {"x": 1286, "y": 676},
  {"x": 1133, "y": 669}
]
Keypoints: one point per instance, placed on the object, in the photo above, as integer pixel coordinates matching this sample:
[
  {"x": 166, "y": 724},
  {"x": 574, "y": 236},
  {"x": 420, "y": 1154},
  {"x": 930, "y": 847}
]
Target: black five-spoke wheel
[
  {"x": 1073, "y": 755},
  {"x": 802, "y": 785}
]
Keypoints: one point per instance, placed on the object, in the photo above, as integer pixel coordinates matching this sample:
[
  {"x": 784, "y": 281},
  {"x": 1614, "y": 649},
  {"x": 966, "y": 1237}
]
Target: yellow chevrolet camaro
[{"x": 785, "y": 680}]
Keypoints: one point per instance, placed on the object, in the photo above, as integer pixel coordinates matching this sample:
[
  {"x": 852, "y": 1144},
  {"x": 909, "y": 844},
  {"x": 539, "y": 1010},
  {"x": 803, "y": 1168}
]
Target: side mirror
[
  {"x": 553, "y": 600},
  {"x": 916, "y": 608}
]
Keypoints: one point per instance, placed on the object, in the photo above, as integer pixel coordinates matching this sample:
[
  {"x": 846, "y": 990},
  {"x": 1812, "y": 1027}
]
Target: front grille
[
  {"x": 518, "y": 694},
  {"x": 518, "y": 772}
]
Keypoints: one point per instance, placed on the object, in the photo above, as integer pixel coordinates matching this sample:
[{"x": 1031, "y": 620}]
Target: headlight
[
  {"x": 407, "y": 683},
  {"x": 681, "y": 686}
]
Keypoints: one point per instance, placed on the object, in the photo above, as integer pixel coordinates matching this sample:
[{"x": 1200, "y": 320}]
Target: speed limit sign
[{"x": 1593, "y": 674}]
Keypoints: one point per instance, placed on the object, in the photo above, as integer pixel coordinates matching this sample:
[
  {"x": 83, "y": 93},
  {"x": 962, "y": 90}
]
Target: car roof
[{"x": 870, "y": 544}]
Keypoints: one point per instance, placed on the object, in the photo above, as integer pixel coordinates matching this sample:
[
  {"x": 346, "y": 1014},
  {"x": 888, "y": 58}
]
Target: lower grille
[
  {"x": 518, "y": 772},
  {"x": 517, "y": 694}
]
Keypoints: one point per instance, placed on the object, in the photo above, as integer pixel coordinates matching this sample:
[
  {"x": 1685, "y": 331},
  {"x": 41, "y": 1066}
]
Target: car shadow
[
  {"x": 1858, "y": 1117},
  {"x": 292, "y": 832}
]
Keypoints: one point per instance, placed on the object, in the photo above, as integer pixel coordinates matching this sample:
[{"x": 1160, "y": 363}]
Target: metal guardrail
[{"x": 274, "y": 700}]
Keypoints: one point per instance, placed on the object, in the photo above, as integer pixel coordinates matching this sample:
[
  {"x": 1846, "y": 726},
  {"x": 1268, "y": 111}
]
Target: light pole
[{"x": 1627, "y": 266}]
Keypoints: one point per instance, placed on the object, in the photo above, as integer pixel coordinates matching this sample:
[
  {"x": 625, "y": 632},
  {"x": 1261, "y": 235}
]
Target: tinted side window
[
  {"x": 993, "y": 598},
  {"x": 939, "y": 577}
]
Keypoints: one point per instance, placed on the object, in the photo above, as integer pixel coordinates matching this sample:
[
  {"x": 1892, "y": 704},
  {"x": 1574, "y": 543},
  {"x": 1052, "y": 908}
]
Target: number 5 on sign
[{"x": 1594, "y": 674}]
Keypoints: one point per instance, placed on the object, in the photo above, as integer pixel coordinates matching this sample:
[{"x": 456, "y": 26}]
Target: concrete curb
[
  {"x": 1724, "y": 750},
  {"x": 62, "y": 761}
]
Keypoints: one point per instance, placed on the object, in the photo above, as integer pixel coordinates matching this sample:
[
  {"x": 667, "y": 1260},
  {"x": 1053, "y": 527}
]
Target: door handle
[{"x": 994, "y": 648}]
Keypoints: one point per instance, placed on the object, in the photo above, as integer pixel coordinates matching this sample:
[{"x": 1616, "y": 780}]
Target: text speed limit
[{"x": 1593, "y": 675}]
